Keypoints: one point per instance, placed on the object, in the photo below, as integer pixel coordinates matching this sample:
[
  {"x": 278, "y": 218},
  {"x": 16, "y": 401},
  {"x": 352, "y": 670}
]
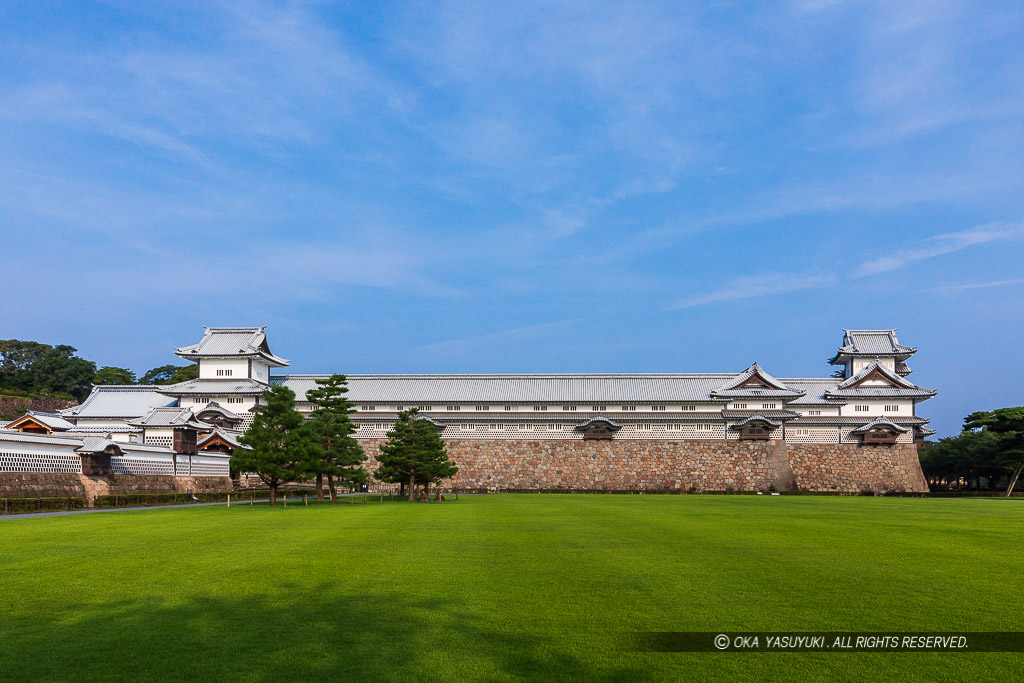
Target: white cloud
[
  {"x": 975, "y": 285},
  {"x": 748, "y": 287},
  {"x": 939, "y": 246}
]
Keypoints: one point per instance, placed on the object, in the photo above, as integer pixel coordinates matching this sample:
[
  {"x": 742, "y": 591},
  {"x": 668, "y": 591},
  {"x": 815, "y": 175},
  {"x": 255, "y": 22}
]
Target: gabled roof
[
  {"x": 600, "y": 419},
  {"x": 897, "y": 386},
  {"x": 754, "y": 382},
  {"x": 169, "y": 417},
  {"x": 755, "y": 418},
  {"x": 226, "y": 436},
  {"x": 880, "y": 422},
  {"x": 214, "y": 387},
  {"x": 99, "y": 444},
  {"x": 51, "y": 421},
  {"x": 902, "y": 369},
  {"x": 214, "y": 407},
  {"x": 232, "y": 342},
  {"x": 119, "y": 401},
  {"x": 871, "y": 343}
]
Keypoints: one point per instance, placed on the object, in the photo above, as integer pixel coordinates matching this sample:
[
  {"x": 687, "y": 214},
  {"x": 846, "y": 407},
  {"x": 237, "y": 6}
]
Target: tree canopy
[
  {"x": 991, "y": 447},
  {"x": 40, "y": 368},
  {"x": 414, "y": 453},
  {"x": 281, "y": 442},
  {"x": 170, "y": 374},
  {"x": 341, "y": 455},
  {"x": 112, "y": 375}
]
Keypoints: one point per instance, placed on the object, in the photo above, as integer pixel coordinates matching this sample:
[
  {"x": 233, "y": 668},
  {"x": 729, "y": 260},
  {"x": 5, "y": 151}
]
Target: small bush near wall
[{"x": 17, "y": 505}]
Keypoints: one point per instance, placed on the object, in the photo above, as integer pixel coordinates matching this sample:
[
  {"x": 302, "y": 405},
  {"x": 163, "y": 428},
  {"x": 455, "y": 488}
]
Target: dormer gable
[
  {"x": 876, "y": 375},
  {"x": 757, "y": 383}
]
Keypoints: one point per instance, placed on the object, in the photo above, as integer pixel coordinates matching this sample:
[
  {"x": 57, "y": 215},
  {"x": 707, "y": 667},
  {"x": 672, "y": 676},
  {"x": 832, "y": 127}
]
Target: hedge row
[{"x": 15, "y": 505}]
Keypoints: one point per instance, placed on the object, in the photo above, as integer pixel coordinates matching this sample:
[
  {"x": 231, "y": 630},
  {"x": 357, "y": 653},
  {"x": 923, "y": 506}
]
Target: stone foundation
[
  {"x": 679, "y": 465},
  {"x": 35, "y": 485}
]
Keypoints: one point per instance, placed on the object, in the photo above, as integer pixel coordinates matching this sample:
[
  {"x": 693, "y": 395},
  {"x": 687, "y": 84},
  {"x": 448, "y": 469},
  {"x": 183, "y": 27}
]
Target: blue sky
[{"x": 529, "y": 186}]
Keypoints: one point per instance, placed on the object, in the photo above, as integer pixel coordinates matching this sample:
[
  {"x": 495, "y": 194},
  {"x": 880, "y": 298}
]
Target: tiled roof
[
  {"x": 119, "y": 401},
  {"x": 215, "y": 407},
  {"x": 599, "y": 419},
  {"x": 243, "y": 342},
  {"x": 880, "y": 422},
  {"x": 772, "y": 414},
  {"x": 58, "y": 438},
  {"x": 97, "y": 444},
  {"x": 775, "y": 388},
  {"x": 533, "y": 388},
  {"x": 228, "y": 435},
  {"x": 814, "y": 389},
  {"x": 899, "y": 387},
  {"x": 755, "y": 418},
  {"x": 214, "y": 387},
  {"x": 847, "y": 420},
  {"x": 540, "y": 416},
  {"x": 169, "y": 417},
  {"x": 902, "y": 369},
  {"x": 51, "y": 420},
  {"x": 872, "y": 343}
]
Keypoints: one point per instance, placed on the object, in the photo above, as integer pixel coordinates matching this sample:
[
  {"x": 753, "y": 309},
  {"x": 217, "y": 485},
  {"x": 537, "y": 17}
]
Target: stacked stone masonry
[
  {"x": 37, "y": 485},
  {"x": 679, "y": 465}
]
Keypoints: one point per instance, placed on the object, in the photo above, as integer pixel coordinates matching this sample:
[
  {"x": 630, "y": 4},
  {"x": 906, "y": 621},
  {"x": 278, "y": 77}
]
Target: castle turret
[{"x": 861, "y": 348}]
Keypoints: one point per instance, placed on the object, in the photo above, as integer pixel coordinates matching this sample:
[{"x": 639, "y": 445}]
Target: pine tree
[
  {"x": 341, "y": 455},
  {"x": 282, "y": 443},
  {"x": 414, "y": 453}
]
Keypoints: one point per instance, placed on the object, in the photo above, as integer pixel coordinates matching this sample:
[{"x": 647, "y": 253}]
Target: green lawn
[{"x": 504, "y": 587}]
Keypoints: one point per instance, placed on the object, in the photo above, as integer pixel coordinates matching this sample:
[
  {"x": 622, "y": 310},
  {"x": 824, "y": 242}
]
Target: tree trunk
[
  {"x": 412, "y": 486},
  {"x": 333, "y": 490},
  {"x": 426, "y": 491},
  {"x": 319, "y": 485},
  {"x": 1013, "y": 480},
  {"x": 273, "y": 495}
]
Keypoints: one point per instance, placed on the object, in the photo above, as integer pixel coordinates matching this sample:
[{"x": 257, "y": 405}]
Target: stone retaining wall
[
  {"x": 36, "y": 485},
  {"x": 679, "y": 465}
]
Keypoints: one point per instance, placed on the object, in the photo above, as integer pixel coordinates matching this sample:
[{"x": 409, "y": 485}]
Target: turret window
[{"x": 225, "y": 373}]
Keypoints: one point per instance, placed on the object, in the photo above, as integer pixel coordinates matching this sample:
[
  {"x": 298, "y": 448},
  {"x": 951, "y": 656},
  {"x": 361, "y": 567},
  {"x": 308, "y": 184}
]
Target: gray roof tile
[
  {"x": 219, "y": 342},
  {"x": 119, "y": 401}
]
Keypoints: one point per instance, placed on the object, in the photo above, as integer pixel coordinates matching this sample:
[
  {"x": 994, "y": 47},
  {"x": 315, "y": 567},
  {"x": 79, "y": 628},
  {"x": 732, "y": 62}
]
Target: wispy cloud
[
  {"x": 939, "y": 246},
  {"x": 974, "y": 285},
  {"x": 749, "y": 287}
]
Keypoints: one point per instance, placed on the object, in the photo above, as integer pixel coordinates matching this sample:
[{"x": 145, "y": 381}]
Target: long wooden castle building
[{"x": 499, "y": 424}]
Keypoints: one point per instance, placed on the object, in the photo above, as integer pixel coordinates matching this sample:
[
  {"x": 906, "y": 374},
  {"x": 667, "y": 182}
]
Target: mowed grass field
[{"x": 504, "y": 587}]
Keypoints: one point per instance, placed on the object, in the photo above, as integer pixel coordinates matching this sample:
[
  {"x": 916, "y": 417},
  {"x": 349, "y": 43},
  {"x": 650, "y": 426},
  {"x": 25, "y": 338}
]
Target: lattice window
[
  {"x": 812, "y": 435},
  {"x": 210, "y": 469},
  {"x": 130, "y": 465},
  {"x": 598, "y": 409},
  {"x": 568, "y": 408},
  {"x": 688, "y": 408},
  {"x": 658, "y": 407},
  {"x": 481, "y": 408},
  {"x": 70, "y": 463}
]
